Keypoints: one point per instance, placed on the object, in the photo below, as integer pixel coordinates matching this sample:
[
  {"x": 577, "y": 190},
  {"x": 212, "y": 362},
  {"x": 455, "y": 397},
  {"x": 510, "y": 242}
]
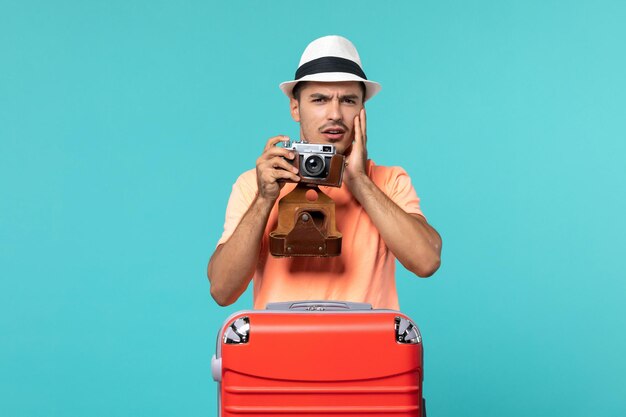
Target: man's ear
[{"x": 294, "y": 105}]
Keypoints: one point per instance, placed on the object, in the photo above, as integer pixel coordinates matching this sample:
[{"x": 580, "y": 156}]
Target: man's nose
[{"x": 334, "y": 110}]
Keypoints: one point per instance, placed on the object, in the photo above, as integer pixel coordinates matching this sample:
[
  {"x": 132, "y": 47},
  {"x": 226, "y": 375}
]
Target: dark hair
[{"x": 299, "y": 86}]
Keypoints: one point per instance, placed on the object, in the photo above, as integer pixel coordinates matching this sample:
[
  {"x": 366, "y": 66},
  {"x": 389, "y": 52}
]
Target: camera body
[{"x": 317, "y": 163}]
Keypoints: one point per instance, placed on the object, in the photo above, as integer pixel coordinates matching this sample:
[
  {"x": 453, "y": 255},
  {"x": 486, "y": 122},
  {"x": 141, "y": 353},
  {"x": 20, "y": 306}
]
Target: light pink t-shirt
[{"x": 365, "y": 270}]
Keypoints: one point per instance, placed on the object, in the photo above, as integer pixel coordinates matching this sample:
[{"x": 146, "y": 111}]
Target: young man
[{"x": 377, "y": 209}]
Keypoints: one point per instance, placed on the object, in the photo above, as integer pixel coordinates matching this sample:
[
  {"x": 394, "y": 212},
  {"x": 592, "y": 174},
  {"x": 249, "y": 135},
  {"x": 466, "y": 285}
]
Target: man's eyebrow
[
  {"x": 343, "y": 97},
  {"x": 318, "y": 95}
]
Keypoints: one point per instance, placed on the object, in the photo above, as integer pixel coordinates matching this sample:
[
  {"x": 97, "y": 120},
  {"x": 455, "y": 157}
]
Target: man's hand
[
  {"x": 271, "y": 167},
  {"x": 356, "y": 163}
]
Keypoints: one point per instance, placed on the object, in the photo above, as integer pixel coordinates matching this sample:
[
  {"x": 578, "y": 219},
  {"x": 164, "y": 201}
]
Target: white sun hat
[{"x": 331, "y": 59}]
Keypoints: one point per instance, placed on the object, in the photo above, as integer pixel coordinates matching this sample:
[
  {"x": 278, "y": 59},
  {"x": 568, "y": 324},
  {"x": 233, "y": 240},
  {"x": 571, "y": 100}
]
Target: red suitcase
[{"x": 319, "y": 358}]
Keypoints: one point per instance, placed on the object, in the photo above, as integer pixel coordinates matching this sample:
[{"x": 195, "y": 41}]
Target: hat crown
[
  {"x": 332, "y": 45},
  {"x": 331, "y": 59}
]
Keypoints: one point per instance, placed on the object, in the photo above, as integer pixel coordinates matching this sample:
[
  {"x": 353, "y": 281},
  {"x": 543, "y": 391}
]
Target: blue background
[{"x": 123, "y": 125}]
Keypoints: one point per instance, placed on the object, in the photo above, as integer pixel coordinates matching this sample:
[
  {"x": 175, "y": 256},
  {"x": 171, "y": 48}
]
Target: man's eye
[{"x": 349, "y": 101}]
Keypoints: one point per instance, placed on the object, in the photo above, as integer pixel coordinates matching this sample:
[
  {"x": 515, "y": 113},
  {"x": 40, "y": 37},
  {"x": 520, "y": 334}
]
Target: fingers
[
  {"x": 275, "y": 151},
  {"x": 358, "y": 156},
  {"x": 358, "y": 131},
  {"x": 271, "y": 150},
  {"x": 281, "y": 163},
  {"x": 280, "y": 174},
  {"x": 275, "y": 169},
  {"x": 273, "y": 141},
  {"x": 273, "y": 165},
  {"x": 363, "y": 123}
]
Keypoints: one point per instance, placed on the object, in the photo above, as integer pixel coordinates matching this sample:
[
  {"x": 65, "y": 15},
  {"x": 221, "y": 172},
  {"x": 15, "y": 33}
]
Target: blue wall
[{"x": 123, "y": 125}]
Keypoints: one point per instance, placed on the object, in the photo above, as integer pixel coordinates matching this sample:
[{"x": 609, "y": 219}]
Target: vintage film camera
[
  {"x": 306, "y": 215},
  {"x": 317, "y": 163}
]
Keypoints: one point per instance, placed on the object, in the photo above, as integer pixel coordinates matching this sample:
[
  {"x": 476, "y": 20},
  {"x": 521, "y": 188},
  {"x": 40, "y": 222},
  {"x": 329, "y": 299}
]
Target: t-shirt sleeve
[
  {"x": 241, "y": 197},
  {"x": 400, "y": 190}
]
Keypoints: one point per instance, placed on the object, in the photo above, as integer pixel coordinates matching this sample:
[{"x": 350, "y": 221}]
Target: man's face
[{"x": 326, "y": 112}]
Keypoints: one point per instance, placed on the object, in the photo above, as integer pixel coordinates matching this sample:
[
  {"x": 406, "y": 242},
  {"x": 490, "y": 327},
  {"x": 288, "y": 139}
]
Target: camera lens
[{"x": 314, "y": 165}]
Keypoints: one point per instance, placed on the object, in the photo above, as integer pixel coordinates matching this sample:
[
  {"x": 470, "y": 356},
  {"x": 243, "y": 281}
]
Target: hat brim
[{"x": 371, "y": 87}]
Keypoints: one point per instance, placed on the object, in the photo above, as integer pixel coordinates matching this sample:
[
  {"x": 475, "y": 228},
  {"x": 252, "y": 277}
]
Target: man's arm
[
  {"x": 232, "y": 265},
  {"x": 409, "y": 237}
]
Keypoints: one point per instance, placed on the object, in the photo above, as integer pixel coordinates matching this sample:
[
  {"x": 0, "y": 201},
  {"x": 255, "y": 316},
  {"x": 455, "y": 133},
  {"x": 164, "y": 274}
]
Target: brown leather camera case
[{"x": 305, "y": 227}]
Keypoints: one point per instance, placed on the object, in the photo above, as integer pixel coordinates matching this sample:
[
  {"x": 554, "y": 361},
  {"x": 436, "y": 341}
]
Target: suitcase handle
[{"x": 322, "y": 305}]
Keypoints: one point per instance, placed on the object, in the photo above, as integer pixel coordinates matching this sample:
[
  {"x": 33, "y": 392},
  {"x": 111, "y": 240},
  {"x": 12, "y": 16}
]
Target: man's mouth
[{"x": 334, "y": 132}]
